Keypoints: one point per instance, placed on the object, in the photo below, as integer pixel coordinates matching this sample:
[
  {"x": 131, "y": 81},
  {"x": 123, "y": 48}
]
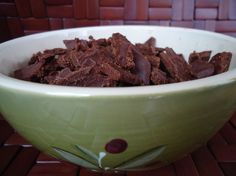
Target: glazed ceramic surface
[{"x": 118, "y": 128}]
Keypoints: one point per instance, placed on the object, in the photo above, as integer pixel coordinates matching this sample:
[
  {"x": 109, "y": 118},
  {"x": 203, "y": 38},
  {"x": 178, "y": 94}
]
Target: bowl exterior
[
  {"x": 119, "y": 132},
  {"x": 120, "y": 128}
]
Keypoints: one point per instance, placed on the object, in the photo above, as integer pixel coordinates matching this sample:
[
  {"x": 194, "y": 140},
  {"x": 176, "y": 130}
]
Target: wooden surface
[
  {"x": 19, "y": 158},
  {"x": 22, "y": 17}
]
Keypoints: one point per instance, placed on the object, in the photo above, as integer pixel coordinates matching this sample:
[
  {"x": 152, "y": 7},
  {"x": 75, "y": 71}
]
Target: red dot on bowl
[{"x": 116, "y": 146}]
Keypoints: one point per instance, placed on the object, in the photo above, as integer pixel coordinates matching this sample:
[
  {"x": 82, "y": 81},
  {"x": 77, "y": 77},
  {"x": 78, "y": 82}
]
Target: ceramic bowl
[{"x": 128, "y": 128}]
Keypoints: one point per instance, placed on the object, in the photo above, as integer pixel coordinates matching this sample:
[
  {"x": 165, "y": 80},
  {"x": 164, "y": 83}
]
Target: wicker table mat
[
  {"x": 217, "y": 158},
  {"x": 22, "y": 17}
]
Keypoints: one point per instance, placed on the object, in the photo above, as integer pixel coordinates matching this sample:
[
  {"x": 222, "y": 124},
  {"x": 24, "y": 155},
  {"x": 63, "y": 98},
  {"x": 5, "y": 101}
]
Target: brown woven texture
[{"x": 22, "y": 17}]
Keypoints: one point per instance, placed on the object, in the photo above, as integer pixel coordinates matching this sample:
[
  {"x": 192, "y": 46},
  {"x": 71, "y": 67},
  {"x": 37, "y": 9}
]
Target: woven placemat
[{"x": 22, "y": 17}]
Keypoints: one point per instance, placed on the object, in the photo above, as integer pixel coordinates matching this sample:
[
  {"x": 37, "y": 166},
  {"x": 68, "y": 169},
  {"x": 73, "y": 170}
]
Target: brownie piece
[
  {"x": 200, "y": 56},
  {"x": 110, "y": 71},
  {"x": 221, "y": 62},
  {"x": 30, "y": 72},
  {"x": 70, "y": 44},
  {"x": 142, "y": 67},
  {"x": 154, "y": 60},
  {"x": 202, "y": 69},
  {"x": 122, "y": 49},
  {"x": 175, "y": 65},
  {"x": 159, "y": 77},
  {"x": 200, "y": 66},
  {"x": 148, "y": 48}
]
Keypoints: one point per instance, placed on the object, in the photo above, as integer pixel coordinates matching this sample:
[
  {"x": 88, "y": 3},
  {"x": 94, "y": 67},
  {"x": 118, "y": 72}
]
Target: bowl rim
[{"x": 55, "y": 90}]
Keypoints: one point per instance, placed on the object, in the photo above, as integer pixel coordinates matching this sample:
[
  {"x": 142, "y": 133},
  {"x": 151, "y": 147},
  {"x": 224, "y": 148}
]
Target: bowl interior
[{"x": 17, "y": 52}]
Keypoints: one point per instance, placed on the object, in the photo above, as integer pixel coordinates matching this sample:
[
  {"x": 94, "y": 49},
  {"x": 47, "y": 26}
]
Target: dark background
[{"x": 22, "y": 17}]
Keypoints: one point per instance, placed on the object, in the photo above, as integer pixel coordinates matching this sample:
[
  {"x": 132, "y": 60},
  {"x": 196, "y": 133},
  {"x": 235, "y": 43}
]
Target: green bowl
[{"x": 113, "y": 129}]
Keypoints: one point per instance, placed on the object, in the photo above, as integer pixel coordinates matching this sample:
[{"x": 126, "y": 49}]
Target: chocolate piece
[
  {"x": 78, "y": 44},
  {"x": 148, "y": 48},
  {"x": 55, "y": 51},
  {"x": 82, "y": 45},
  {"x": 49, "y": 68},
  {"x": 110, "y": 71},
  {"x": 175, "y": 65},
  {"x": 99, "y": 43},
  {"x": 142, "y": 67},
  {"x": 129, "y": 78},
  {"x": 79, "y": 75},
  {"x": 70, "y": 44},
  {"x": 58, "y": 78},
  {"x": 74, "y": 58},
  {"x": 89, "y": 62},
  {"x": 154, "y": 60},
  {"x": 221, "y": 62},
  {"x": 29, "y": 72},
  {"x": 40, "y": 57},
  {"x": 158, "y": 77},
  {"x": 201, "y": 69},
  {"x": 47, "y": 55},
  {"x": 151, "y": 42},
  {"x": 122, "y": 49},
  {"x": 201, "y": 56},
  {"x": 97, "y": 80},
  {"x": 63, "y": 61},
  {"x": 68, "y": 77}
]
